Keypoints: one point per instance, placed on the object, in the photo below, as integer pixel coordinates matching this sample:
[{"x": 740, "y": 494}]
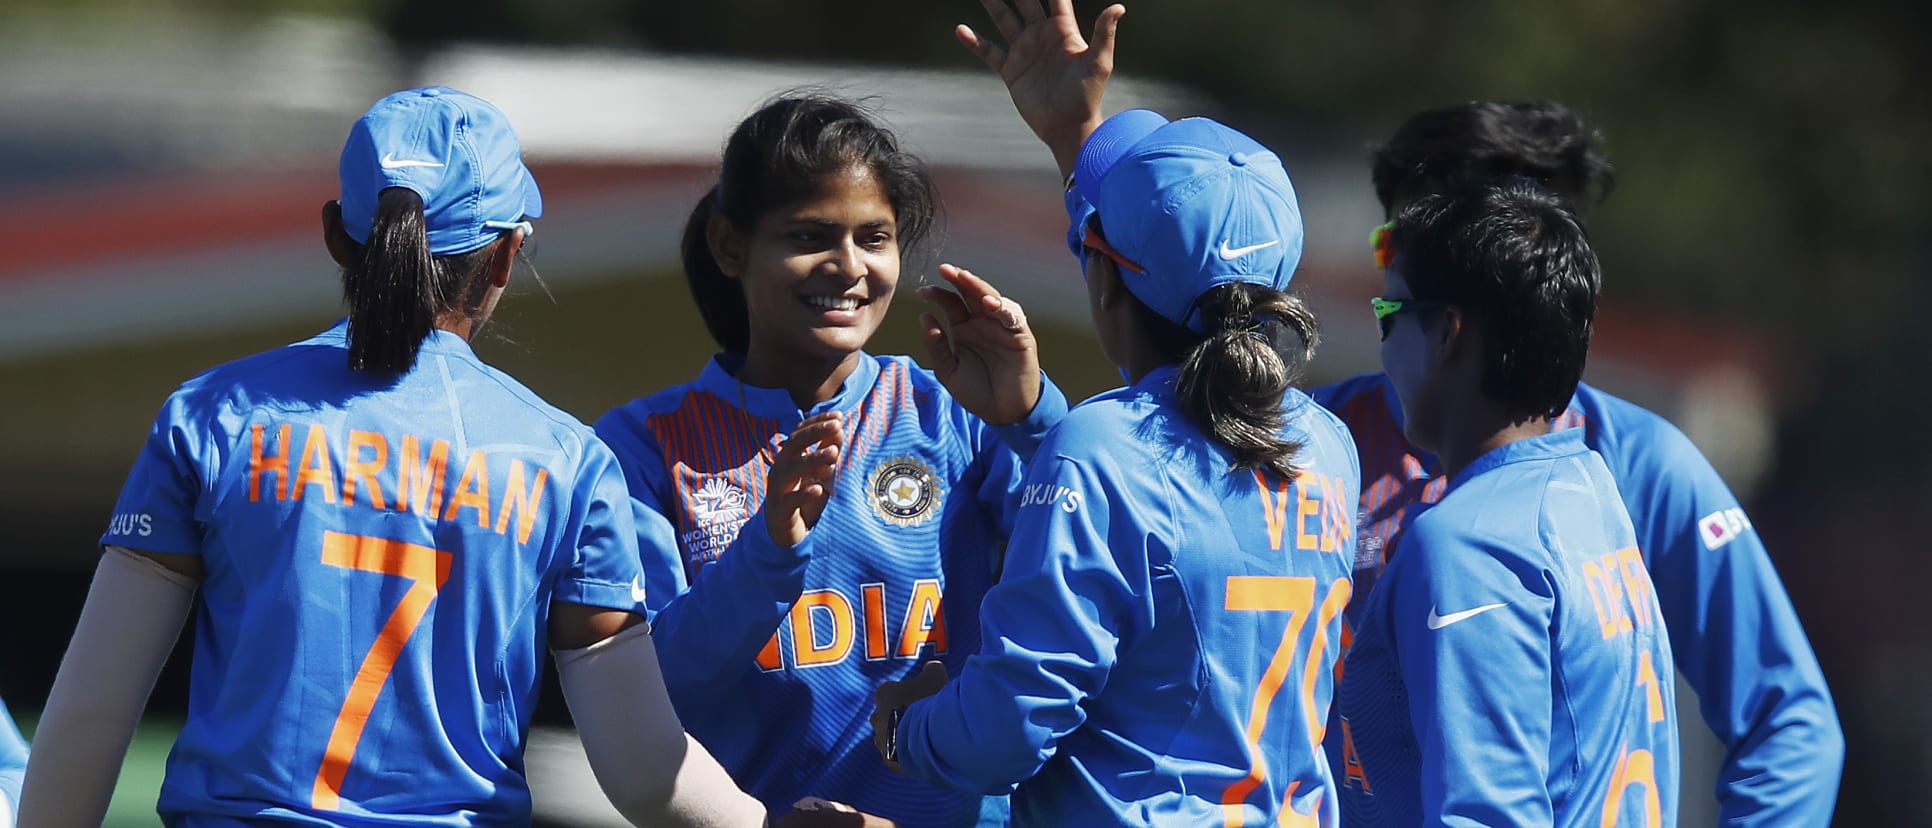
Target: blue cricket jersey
[
  {"x": 381, "y": 554},
  {"x": 13, "y": 761},
  {"x": 1161, "y": 647},
  {"x": 771, "y": 653},
  {"x": 1736, "y": 638},
  {"x": 1511, "y": 666}
]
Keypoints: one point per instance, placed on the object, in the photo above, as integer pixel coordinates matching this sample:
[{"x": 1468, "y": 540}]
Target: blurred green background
[{"x": 1772, "y": 189}]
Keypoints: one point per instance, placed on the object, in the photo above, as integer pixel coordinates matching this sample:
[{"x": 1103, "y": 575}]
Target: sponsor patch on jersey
[
  {"x": 1722, "y": 526},
  {"x": 905, "y": 492}
]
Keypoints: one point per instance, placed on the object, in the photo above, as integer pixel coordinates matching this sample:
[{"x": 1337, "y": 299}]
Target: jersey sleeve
[
  {"x": 1051, "y": 629},
  {"x": 1005, "y": 450},
  {"x": 603, "y": 569},
  {"x": 13, "y": 762},
  {"x": 1734, "y": 634},
  {"x": 1472, "y": 638},
  {"x": 708, "y": 626},
  {"x": 156, "y": 509}
]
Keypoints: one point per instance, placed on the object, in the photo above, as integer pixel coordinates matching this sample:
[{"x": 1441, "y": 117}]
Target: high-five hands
[
  {"x": 985, "y": 354},
  {"x": 1056, "y": 78},
  {"x": 801, "y": 478}
]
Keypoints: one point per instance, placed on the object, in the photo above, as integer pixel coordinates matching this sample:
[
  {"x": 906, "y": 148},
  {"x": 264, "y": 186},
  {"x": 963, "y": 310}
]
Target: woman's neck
[
  {"x": 808, "y": 381},
  {"x": 1483, "y": 433}
]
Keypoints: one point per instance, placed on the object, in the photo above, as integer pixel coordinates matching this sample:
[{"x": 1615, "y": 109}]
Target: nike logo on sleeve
[{"x": 1437, "y": 622}]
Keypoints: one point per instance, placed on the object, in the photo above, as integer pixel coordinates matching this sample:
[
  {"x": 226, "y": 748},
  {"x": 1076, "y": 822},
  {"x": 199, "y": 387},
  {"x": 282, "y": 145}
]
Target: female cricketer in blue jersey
[
  {"x": 1160, "y": 648},
  {"x": 383, "y": 531},
  {"x": 1736, "y": 639},
  {"x": 1511, "y": 665},
  {"x": 788, "y": 576}
]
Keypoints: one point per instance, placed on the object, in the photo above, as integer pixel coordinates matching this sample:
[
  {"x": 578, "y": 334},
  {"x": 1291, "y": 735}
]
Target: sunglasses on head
[
  {"x": 1091, "y": 239},
  {"x": 1386, "y": 309}
]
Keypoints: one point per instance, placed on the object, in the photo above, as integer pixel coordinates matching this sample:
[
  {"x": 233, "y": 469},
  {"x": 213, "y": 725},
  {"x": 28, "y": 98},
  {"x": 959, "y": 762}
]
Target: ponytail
[
  {"x": 396, "y": 289},
  {"x": 720, "y": 298},
  {"x": 1231, "y": 382}
]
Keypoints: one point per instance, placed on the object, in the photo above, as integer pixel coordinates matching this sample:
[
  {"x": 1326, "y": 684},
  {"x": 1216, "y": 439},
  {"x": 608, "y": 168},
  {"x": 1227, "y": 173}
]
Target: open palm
[{"x": 1055, "y": 76}]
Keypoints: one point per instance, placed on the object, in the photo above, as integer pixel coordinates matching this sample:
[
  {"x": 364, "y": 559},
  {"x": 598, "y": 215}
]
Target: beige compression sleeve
[
  {"x": 127, "y": 628},
  {"x": 652, "y": 771}
]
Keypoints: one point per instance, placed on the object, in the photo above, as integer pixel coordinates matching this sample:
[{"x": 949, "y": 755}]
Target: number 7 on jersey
[{"x": 426, "y": 569}]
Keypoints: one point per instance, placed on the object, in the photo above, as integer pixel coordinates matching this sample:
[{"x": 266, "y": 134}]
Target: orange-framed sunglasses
[{"x": 1091, "y": 239}]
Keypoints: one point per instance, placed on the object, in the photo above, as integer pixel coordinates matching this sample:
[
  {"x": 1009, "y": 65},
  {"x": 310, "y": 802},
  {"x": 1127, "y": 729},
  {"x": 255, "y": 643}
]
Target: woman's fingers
[{"x": 1104, "y": 28}]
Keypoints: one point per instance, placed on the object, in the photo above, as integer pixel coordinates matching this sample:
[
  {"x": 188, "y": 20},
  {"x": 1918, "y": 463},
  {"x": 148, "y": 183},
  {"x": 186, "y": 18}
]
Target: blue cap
[
  {"x": 455, "y": 150},
  {"x": 1194, "y": 203}
]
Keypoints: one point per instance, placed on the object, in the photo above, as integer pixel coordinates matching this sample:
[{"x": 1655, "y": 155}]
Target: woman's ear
[
  {"x": 1103, "y": 281},
  {"x": 1450, "y": 335},
  {"x": 728, "y": 246},
  {"x": 341, "y": 248}
]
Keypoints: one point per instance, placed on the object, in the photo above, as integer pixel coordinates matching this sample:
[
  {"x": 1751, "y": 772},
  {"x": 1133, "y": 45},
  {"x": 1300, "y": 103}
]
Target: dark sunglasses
[{"x": 1386, "y": 309}]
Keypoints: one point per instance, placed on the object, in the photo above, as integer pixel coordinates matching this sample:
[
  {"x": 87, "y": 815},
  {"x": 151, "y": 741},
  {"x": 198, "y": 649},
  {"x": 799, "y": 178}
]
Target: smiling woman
[{"x": 885, "y": 510}]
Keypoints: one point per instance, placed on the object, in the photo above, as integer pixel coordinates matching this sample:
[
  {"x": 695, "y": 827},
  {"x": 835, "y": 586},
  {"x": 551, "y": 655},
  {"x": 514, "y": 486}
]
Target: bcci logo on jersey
[
  {"x": 718, "y": 509},
  {"x": 904, "y": 491}
]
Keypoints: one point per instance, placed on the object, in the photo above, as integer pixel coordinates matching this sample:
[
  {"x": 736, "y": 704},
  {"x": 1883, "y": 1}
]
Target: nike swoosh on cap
[
  {"x": 1437, "y": 622},
  {"x": 391, "y": 162},
  {"x": 1230, "y": 254}
]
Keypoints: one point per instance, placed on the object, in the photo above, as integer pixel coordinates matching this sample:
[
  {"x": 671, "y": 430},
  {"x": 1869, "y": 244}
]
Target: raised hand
[
  {"x": 988, "y": 359},
  {"x": 1056, "y": 78},
  {"x": 891, "y": 699},
  {"x": 800, "y": 480}
]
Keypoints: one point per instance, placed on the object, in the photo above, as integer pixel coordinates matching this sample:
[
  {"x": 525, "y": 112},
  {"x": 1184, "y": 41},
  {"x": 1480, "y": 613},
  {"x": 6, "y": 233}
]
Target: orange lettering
[
  {"x": 1608, "y": 600},
  {"x": 1273, "y": 510},
  {"x": 806, "y": 649},
  {"x": 1309, "y": 507},
  {"x": 1636, "y": 583},
  {"x": 768, "y": 658},
  {"x": 315, "y": 468},
  {"x": 873, "y": 596},
  {"x": 419, "y": 486},
  {"x": 1352, "y": 771},
  {"x": 260, "y": 464},
  {"x": 472, "y": 490},
  {"x": 925, "y": 623},
  {"x": 354, "y": 468},
  {"x": 516, "y": 499},
  {"x": 1647, "y": 679},
  {"x": 1634, "y": 767}
]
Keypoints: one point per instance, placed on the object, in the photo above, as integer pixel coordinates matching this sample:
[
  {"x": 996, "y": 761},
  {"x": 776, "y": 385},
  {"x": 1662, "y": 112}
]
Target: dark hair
[
  {"x": 396, "y": 288},
  {"x": 1514, "y": 257},
  {"x": 1437, "y": 150},
  {"x": 782, "y": 155},
  {"x": 1232, "y": 379}
]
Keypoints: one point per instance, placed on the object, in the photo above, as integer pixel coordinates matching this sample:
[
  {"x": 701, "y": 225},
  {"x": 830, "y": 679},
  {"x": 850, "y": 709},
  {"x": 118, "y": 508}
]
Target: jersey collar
[
  {"x": 1553, "y": 445},
  {"x": 439, "y": 341},
  {"x": 720, "y": 378}
]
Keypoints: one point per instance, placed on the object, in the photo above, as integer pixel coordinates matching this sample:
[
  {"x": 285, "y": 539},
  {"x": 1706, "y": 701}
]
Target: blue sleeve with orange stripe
[
  {"x": 1736, "y": 638},
  {"x": 716, "y": 624},
  {"x": 13, "y": 761}
]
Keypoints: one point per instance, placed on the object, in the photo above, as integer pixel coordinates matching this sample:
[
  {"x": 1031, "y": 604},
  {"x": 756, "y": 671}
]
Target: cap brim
[{"x": 1108, "y": 144}]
